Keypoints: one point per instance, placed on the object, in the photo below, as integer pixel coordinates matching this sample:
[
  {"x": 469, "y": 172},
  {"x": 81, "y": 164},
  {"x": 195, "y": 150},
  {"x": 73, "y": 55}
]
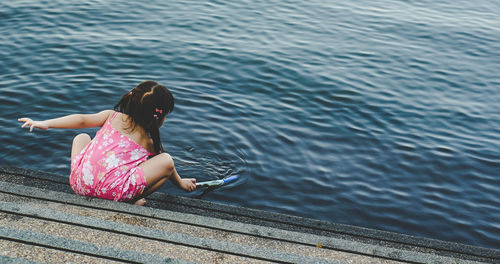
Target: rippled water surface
[{"x": 382, "y": 114}]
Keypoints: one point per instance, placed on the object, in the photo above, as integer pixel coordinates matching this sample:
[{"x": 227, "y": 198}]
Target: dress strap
[{"x": 113, "y": 116}]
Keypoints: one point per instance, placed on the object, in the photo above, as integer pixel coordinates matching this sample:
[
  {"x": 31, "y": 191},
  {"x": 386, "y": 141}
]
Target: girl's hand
[
  {"x": 33, "y": 124},
  {"x": 188, "y": 185}
]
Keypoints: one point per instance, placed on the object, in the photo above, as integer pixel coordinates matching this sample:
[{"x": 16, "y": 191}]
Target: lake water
[{"x": 381, "y": 114}]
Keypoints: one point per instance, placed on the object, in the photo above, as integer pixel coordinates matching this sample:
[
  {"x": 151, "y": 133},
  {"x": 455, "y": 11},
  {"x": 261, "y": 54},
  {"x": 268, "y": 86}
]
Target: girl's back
[{"x": 124, "y": 125}]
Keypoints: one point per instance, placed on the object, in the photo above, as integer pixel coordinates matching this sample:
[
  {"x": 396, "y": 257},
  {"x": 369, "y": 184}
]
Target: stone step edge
[
  {"x": 182, "y": 218},
  {"x": 157, "y": 235},
  {"x": 225, "y": 225},
  {"x": 11, "y": 260},
  {"x": 79, "y": 247},
  {"x": 321, "y": 226}
]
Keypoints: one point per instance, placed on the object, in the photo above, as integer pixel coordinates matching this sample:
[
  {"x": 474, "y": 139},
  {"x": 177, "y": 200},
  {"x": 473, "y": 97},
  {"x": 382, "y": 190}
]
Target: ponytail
[
  {"x": 154, "y": 132},
  {"x": 147, "y": 105}
]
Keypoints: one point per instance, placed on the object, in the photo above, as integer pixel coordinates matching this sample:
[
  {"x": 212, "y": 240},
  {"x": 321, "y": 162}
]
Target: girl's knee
[
  {"x": 166, "y": 159},
  {"x": 166, "y": 162},
  {"x": 81, "y": 138},
  {"x": 79, "y": 143},
  {"x": 157, "y": 168}
]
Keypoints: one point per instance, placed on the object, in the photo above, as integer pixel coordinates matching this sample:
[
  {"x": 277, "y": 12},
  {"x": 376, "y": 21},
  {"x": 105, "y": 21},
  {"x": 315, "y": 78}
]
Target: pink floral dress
[{"x": 108, "y": 167}]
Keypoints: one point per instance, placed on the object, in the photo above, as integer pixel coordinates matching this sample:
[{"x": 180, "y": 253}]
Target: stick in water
[{"x": 216, "y": 182}]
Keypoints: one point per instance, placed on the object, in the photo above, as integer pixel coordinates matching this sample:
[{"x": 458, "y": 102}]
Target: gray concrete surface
[{"x": 180, "y": 229}]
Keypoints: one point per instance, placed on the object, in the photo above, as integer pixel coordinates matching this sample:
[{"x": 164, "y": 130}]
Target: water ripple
[{"x": 379, "y": 114}]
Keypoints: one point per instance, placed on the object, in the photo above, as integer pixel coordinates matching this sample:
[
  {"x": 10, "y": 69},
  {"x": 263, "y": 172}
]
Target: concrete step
[
  {"x": 40, "y": 214},
  {"x": 60, "y": 218},
  {"x": 55, "y": 248}
]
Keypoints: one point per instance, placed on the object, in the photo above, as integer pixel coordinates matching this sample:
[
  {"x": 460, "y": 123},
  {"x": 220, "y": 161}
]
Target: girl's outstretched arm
[{"x": 70, "y": 121}]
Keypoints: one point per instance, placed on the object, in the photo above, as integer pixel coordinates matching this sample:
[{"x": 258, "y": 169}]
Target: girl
[{"x": 115, "y": 165}]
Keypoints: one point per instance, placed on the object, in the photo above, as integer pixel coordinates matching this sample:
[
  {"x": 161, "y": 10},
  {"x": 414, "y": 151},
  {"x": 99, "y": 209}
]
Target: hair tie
[{"x": 157, "y": 111}]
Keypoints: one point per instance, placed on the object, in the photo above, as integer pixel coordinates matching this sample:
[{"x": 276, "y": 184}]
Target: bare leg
[
  {"x": 79, "y": 143},
  {"x": 157, "y": 171},
  {"x": 140, "y": 200},
  {"x": 154, "y": 187}
]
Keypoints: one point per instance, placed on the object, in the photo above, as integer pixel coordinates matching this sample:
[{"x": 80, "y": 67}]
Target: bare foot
[{"x": 141, "y": 201}]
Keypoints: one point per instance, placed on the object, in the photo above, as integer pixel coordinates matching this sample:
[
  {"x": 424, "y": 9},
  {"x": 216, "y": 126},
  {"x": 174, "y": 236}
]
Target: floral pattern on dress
[
  {"x": 111, "y": 161},
  {"x": 108, "y": 168},
  {"x": 137, "y": 154},
  {"x": 88, "y": 177}
]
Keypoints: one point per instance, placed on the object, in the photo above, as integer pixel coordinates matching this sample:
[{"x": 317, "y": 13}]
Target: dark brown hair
[{"x": 147, "y": 104}]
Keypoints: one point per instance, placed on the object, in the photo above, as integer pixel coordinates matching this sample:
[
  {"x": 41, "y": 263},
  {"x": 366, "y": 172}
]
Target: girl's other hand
[
  {"x": 188, "y": 185},
  {"x": 33, "y": 124}
]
